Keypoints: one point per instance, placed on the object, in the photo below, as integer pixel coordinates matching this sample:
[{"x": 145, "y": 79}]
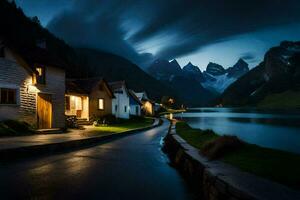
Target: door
[{"x": 44, "y": 111}]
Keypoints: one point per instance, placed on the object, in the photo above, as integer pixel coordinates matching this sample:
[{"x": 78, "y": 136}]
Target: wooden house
[
  {"x": 32, "y": 87},
  {"x": 88, "y": 99}
]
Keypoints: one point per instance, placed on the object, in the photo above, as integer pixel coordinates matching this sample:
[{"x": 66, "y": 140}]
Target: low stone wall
[{"x": 215, "y": 180}]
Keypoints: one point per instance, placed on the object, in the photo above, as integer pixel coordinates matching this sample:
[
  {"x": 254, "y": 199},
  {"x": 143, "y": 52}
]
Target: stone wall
[{"x": 215, "y": 180}]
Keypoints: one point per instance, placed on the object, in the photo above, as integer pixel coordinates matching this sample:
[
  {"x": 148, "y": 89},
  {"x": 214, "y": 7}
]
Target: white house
[
  {"x": 135, "y": 104},
  {"x": 120, "y": 104},
  {"x": 147, "y": 104}
]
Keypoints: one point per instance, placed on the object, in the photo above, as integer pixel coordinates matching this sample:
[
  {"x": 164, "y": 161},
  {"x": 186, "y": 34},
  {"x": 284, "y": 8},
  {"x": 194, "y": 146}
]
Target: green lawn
[
  {"x": 279, "y": 166},
  {"x": 124, "y": 125},
  {"x": 288, "y": 99}
]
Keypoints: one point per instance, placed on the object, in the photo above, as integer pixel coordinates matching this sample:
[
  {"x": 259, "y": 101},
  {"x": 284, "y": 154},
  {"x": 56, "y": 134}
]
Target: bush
[
  {"x": 71, "y": 122},
  {"x": 13, "y": 127},
  {"x": 221, "y": 146},
  {"x": 105, "y": 120}
]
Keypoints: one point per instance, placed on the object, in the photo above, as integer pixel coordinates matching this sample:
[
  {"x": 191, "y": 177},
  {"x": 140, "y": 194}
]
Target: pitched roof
[
  {"x": 142, "y": 95},
  {"x": 85, "y": 86},
  {"x": 135, "y": 98},
  {"x": 117, "y": 85}
]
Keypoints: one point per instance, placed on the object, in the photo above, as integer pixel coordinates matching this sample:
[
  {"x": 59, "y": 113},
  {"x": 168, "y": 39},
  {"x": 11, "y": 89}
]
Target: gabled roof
[
  {"x": 134, "y": 97},
  {"x": 117, "y": 85},
  {"x": 142, "y": 95},
  {"x": 85, "y": 86}
]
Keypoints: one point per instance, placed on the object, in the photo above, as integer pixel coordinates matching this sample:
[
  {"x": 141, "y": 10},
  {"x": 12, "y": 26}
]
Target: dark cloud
[
  {"x": 183, "y": 26},
  {"x": 249, "y": 57}
]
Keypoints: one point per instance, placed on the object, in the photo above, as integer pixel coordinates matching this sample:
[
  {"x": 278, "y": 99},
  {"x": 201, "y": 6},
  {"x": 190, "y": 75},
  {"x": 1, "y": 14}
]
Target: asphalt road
[{"x": 132, "y": 167}]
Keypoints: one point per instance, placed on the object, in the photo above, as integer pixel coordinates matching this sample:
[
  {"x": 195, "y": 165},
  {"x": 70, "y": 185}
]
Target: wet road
[{"x": 132, "y": 167}]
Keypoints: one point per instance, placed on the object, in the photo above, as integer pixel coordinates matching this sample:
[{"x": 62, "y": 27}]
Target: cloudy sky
[{"x": 199, "y": 31}]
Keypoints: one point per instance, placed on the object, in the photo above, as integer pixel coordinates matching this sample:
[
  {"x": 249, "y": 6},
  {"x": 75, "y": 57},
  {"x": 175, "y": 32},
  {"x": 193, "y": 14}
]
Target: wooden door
[{"x": 44, "y": 111}]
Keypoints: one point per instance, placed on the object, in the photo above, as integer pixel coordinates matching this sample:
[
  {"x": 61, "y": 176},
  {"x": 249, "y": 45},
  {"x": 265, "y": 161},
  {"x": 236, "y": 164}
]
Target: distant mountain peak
[{"x": 215, "y": 69}]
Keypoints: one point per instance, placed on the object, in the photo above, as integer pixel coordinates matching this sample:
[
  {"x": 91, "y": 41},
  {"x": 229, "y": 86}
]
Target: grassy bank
[
  {"x": 124, "y": 125},
  {"x": 288, "y": 99},
  {"x": 279, "y": 166}
]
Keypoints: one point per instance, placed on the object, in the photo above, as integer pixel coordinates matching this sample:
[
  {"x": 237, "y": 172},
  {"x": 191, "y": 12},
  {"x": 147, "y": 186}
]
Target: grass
[
  {"x": 288, "y": 99},
  {"x": 279, "y": 166},
  {"x": 124, "y": 125},
  {"x": 14, "y": 128}
]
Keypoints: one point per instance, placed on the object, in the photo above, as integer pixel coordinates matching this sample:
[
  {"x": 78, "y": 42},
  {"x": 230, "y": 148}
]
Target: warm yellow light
[
  {"x": 32, "y": 89},
  {"x": 101, "y": 104},
  {"x": 40, "y": 71}
]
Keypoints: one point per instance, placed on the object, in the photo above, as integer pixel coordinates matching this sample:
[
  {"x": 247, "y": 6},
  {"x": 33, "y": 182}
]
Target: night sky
[{"x": 199, "y": 31}]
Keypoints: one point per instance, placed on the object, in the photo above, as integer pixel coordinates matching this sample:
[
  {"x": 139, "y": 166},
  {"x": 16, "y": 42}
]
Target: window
[
  {"x": 101, "y": 104},
  {"x": 40, "y": 75},
  {"x": 116, "y": 108},
  {"x": 137, "y": 110},
  {"x": 125, "y": 108},
  {"x": 8, "y": 96}
]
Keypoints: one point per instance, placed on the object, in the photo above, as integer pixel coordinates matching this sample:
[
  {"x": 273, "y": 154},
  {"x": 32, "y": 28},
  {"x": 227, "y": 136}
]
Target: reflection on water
[{"x": 278, "y": 129}]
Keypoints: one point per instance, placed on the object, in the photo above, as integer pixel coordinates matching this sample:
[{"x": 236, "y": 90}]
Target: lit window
[
  {"x": 8, "y": 96},
  {"x": 101, "y": 104},
  {"x": 40, "y": 75}
]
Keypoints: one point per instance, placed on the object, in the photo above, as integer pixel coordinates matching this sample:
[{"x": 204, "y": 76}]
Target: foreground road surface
[{"x": 132, "y": 167}]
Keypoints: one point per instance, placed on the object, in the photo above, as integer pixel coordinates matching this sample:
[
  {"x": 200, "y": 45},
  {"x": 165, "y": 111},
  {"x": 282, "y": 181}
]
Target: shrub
[
  {"x": 71, "y": 122},
  {"x": 221, "y": 146},
  {"x": 13, "y": 127},
  {"x": 105, "y": 120}
]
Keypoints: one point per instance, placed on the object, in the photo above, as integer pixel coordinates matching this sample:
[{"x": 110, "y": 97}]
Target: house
[
  {"x": 88, "y": 99},
  {"x": 148, "y": 105},
  {"x": 135, "y": 104},
  {"x": 32, "y": 87},
  {"x": 121, "y": 105}
]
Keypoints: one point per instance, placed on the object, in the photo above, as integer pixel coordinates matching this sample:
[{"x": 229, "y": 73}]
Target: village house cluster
[{"x": 34, "y": 89}]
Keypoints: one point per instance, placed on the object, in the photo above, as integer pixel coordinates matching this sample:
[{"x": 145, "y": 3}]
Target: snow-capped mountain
[
  {"x": 215, "y": 78},
  {"x": 218, "y": 79}
]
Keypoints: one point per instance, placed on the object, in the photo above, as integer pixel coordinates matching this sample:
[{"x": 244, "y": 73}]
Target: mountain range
[
  {"x": 275, "y": 82},
  {"x": 215, "y": 79}
]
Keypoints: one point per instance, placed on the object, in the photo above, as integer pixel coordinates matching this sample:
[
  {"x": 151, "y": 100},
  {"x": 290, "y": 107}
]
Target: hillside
[
  {"x": 277, "y": 77},
  {"x": 113, "y": 68},
  {"x": 23, "y": 34}
]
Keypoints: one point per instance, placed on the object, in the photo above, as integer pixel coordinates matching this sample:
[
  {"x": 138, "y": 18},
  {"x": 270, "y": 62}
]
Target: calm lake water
[{"x": 273, "y": 129}]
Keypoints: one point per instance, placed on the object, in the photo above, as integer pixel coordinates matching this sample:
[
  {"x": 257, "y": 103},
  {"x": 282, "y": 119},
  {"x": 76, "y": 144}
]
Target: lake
[{"x": 274, "y": 129}]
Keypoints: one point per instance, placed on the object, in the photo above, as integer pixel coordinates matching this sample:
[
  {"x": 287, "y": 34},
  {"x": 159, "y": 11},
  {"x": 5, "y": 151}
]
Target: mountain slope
[
  {"x": 278, "y": 75},
  {"x": 185, "y": 82},
  {"x": 217, "y": 79},
  {"x": 113, "y": 68},
  {"x": 23, "y": 33}
]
